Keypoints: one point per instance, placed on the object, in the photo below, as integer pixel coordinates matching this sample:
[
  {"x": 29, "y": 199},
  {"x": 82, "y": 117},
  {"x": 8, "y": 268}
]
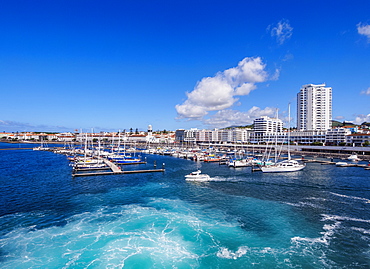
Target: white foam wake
[
  {"x": 351, "y": 197},
  {"x": 342, "y": 218},
  {"x": 228, "y": 254}
]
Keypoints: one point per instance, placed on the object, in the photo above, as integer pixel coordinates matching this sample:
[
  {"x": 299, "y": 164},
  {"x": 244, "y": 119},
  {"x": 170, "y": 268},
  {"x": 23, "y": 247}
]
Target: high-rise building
[{"x": 314, "y": 108}]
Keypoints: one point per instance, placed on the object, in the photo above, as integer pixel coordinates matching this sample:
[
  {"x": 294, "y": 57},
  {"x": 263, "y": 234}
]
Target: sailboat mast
[
  {"x": 276, "y": 134},
  {"x": 289, "y": 132}
]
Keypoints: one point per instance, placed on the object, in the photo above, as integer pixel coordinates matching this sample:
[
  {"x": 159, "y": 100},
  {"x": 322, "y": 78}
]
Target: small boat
[
  {"x": 341, "y": 164},
  {"x": 90, "y": 166},
  {"x": 212, "y": 159},
  {"x": 240, "y": 162},
  {"x": 354, "y": 158},
  {"x": 197, "y": 176}
]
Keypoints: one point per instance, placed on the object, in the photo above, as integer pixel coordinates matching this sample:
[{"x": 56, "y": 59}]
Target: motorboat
[
  {"x": 197, "y": 176},
  {"x": 354, "y": 158},
  {"x": 212, "y": 159},
  {"x": 341, "y": 164}
]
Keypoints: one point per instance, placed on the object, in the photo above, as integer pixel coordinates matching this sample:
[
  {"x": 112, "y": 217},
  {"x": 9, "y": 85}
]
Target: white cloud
[
  {"x": 14, "y": 126},
  {"x": 282, "y": 31},
  {"x": 218, "y": 92},
  {"x": 288, "y": 57},
  {"x": 276, "y": 75},
  {"x": 362, "y": 118},
  {"x": 364, "y": 29},
  {"x": 366, "y": 92},
  {"x": 225, "y": 118},
  {"x": 339, "y": 118}
]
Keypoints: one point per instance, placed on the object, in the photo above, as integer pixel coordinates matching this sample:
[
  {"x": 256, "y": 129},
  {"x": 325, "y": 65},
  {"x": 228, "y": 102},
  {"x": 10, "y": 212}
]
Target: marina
[
  {"x": 230, "y": 219},
  {"x": 159, "y": 135}
]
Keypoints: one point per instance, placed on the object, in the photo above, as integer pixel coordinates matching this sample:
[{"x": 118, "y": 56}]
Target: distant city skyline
[{"x": 67, "y": 65}]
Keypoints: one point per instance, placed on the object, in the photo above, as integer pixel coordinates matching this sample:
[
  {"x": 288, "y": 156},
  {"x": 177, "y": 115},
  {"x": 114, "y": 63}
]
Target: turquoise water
[{"x": 315, "y": 218}]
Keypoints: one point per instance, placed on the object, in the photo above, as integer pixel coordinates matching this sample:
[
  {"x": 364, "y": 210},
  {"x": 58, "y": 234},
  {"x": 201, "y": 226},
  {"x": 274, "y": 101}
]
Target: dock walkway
[
  {"x": 115, "y": 170},
  {"x": 112, "y": 166}
]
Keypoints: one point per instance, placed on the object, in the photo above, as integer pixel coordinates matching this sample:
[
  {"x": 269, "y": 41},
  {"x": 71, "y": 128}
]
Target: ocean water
[{"x": 315, "y": 218}]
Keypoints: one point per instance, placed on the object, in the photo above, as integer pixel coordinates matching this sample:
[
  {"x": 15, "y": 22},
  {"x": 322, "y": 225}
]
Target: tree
[{"x": 317, "y": 144}]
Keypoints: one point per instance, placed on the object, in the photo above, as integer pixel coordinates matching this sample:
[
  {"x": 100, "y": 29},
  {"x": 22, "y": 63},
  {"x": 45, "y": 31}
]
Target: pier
[
  {"x": 324, "y": 162},
  {"x": 115, "y": 170}
]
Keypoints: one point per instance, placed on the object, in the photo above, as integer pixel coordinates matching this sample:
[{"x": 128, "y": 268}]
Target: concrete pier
[
  {"x": 115, "y": 170},
  {"x": 112, "y": 166}
]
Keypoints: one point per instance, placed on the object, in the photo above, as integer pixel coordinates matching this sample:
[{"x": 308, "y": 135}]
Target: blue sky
[{"x": 114, "y": 65}]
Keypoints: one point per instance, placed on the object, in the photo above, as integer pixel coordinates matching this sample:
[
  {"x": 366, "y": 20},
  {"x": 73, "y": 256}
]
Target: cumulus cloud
[
  {"x": 218, "y": 92},
  {"x": 366, "y": 92},
  {"x": 362, "y": 118},
  {"x": 364, "y": 29},
  {"x": 229, "y": 117},
  {"x": 282, "y": 31}
]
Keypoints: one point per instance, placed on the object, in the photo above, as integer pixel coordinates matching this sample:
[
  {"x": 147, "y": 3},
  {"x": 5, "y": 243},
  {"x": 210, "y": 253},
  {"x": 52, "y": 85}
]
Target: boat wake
[
  {"x": 228, "y": 254},
  {"x": 351, "y": 197},
  {"x": 162, "y": 233},
  {"x": 218, "y": 179}
]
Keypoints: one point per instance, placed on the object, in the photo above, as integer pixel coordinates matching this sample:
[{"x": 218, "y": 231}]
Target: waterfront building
[
  {"x": 180, "y": 135},
  {"x": 4, "y": 135},
  {"x": 266, "y": 127},
  {"x": 336, "y": 136},
  {"x": 214, "y": 136},
  {"x": 314, "y": 108},
  {"x": 190, "y": 135},
  {"x": 359, "y": 139},
  {"x": 308, "y": 137},
  {"x": 65, "y": 137}
]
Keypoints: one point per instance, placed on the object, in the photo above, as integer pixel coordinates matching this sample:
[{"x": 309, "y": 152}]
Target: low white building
[
  {"x": 266, "y": 127},
  {"x": 359, "y": 139},
  {"x": 334, "y": 137},
  {"x": 195, "y": 135}
]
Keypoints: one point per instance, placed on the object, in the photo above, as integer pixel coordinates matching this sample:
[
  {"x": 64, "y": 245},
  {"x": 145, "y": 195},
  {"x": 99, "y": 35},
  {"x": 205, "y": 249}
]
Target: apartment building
[{"x": 314, "y": 108}]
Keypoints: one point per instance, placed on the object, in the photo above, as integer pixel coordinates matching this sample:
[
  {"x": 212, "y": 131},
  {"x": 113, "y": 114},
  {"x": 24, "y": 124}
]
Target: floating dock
[
  {"x": 115, "y": 170},
  {"x": 349, "y": 164}
]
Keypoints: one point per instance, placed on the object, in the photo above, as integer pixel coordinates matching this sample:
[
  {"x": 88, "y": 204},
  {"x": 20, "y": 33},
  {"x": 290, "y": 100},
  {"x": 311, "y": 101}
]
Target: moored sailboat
[{"x": 288, "y": 165}]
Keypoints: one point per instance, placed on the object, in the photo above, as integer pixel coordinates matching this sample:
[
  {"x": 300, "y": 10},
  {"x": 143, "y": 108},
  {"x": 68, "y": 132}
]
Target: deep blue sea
[{"x": 315, "y": 218}]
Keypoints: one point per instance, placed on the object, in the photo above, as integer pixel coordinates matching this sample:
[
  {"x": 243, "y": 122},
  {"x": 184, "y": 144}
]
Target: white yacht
[
  {"x": 288, "y": 165},
  {"x": 283, "y": 166},
  {"x": 197, "y": 176}
]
